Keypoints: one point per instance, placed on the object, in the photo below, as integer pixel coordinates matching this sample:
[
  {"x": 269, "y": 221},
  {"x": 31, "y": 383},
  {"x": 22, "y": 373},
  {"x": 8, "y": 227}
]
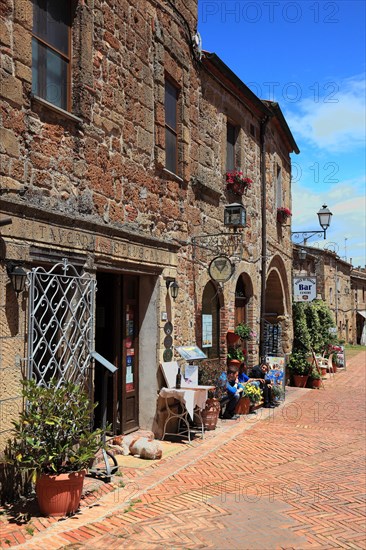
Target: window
[
  {"x": 230, "y": 146},
  {"x": 171, "y": 127},
  {"x": 279, "y": 187},
  {"x": 51, "y": 51}
]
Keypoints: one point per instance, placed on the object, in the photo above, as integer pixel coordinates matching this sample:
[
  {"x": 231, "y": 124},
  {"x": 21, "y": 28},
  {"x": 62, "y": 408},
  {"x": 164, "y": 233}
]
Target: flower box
[
  {"x": 237, "y": 183},
  {"x": 283, "y": 214}
]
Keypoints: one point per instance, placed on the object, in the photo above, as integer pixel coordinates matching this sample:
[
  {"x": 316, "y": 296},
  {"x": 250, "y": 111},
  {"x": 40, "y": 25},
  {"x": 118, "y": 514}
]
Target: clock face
[{"x": 221, "y": 269}]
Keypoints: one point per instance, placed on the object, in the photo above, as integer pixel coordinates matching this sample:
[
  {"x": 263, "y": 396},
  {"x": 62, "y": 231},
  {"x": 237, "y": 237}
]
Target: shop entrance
[{"x": 116, "y": 339}]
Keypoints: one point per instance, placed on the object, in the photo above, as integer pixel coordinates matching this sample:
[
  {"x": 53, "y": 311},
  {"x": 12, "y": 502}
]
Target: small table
[{"x": 192, "y": 400}]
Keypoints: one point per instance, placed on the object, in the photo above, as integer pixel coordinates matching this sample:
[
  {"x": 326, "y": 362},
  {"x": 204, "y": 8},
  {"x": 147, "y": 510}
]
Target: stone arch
[
  {"x": 243, "y": 299},
  {"x": 245, "y": 311},
  {"x": 277, "y": 288},
  {"x": 278, "y": 302}
]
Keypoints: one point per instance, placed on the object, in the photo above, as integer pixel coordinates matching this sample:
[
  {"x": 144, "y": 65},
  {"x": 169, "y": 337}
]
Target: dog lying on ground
[{"x": 140, "y": 444}]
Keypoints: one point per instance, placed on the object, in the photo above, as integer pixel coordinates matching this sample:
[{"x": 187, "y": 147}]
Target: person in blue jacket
[{"x": 234, "y": 391}]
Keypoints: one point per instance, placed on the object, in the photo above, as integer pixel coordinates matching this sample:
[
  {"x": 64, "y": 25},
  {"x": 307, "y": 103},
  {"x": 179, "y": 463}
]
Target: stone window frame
[
  {"x": 229, "y": 166},
  {"x": 279, "y": 186},
  {"x": 169, "y": 130},
  {"x": 66, "y": 56}
]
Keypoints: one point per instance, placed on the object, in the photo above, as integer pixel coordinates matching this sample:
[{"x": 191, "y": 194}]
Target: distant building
[
  {"x": 358, "y": 289},
  {"x": 334, "y": 282}
]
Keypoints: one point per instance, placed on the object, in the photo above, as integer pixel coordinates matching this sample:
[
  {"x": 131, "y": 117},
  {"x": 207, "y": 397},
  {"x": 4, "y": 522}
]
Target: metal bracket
[{"x": 228, "y": 244}]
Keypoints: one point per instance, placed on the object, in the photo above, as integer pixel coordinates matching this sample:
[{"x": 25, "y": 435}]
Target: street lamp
[{"x": 324, "y": 216}]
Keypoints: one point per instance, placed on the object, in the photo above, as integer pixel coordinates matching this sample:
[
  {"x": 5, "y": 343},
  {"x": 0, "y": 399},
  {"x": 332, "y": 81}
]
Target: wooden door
[{"x": 130, "y": 371}]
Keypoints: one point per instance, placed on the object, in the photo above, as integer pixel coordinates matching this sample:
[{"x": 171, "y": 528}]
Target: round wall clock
[{"x": 221, "y": 269}]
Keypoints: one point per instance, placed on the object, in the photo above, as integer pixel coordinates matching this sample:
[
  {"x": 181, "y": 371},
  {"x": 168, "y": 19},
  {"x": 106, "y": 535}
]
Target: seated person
[
  {"x": 243, "y": 378},
  {"x": 260, "y": 371},
  {"x": 234, "y": 390}
]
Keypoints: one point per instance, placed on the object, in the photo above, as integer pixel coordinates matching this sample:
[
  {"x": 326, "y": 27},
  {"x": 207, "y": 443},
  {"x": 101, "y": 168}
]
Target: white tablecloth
[{"x": 190, "y": 397}]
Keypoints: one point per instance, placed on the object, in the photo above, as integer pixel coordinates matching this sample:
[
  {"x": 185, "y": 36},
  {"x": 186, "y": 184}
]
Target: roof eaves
[
  {"x": 235, "y": 80},
  {"x": 276, "y": 110}
]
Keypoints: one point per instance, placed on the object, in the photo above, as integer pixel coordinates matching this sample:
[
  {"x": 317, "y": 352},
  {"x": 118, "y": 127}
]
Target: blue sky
[{"x": 310, "y": 57}]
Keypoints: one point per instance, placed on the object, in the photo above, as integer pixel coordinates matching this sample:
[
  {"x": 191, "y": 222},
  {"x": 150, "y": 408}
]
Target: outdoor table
[{"x": 192, "y": 400}]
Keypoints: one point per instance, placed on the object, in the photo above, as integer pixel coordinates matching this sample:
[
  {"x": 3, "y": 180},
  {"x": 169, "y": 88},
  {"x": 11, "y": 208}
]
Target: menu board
[{"x": 190, "y": 353}]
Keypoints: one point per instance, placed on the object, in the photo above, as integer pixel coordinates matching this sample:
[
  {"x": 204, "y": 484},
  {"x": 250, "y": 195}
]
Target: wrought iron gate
[{"x": 61, "y": 325}]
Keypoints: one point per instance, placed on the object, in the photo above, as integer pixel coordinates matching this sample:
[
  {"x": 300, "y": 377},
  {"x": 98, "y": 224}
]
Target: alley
[{"x": 292, "y": 477}]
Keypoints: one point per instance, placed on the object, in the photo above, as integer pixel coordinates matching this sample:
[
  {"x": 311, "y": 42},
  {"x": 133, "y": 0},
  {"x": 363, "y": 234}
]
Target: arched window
[{"x": 211, "y": 321}]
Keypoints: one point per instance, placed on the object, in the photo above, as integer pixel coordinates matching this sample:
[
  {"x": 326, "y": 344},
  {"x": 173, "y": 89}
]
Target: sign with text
[{"x": 304, "y": 289}]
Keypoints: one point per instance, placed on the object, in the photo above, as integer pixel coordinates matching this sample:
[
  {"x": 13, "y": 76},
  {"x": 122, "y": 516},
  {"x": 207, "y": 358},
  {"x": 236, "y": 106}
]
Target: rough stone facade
[
  {"x": 90, "y": 184},
  {"x": 334, "y": 286},
  {"x": 358, "y": 289}
]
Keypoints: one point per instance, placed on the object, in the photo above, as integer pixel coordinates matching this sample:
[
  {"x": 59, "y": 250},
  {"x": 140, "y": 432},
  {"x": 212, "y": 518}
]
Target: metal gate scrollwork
[{"x": 61, "y": 324}]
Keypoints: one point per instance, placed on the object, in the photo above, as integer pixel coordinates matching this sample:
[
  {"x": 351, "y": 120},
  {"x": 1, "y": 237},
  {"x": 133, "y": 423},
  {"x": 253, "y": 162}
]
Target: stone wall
[{"x": 91, "y": 184}]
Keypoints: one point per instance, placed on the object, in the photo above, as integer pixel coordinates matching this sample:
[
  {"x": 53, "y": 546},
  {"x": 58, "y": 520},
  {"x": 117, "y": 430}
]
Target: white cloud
[
  {"x": 335, "y": 122},
  {"x": 347, "y": 202}
]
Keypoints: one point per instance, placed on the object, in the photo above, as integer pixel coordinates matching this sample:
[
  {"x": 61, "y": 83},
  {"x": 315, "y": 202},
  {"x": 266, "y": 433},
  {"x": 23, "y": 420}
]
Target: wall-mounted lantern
[
  {"x": 17, "y": 276},
  {"x": 172, "y": 286},
  {"x": 235, "y": 216}
]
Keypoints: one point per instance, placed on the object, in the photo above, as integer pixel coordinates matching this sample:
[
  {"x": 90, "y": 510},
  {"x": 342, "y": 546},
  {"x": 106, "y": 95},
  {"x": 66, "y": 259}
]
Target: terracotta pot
[
  {"x": 59, "y": 495},
  {"x": 300, "y": 380},
  {"x": 233, "y": 363},
  {"x": 323, "y": 371},
  {"x": 243, "y": 406},
  {"x": 316, "y": 382},
  {"x": 232, "y": 338},
  {"x": 210, "y": 414}
]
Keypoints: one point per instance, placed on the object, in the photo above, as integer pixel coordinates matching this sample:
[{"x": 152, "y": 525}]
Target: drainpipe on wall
[{"x": 263, "y": 128}]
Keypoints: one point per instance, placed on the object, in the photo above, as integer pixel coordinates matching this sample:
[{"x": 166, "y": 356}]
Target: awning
[{"x": 363, "y": 313}]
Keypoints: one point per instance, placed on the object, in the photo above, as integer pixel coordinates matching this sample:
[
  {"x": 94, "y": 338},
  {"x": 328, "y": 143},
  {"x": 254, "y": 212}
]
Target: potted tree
[
  {"x": 210, "y": 374},
  {"x": 54, "y": 442},
  {"x": 300, "y": 368}
]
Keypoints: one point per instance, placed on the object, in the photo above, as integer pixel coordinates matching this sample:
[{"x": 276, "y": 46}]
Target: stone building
[
  {"x": 116, "y": 135},
  {"x": 358, "y": 289},
  {"x": 333, "y": 285}
]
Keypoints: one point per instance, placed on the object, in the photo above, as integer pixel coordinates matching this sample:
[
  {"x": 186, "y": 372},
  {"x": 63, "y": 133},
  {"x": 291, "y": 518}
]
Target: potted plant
[
  {"x": 252, "y": 392},
  {"x": 300, "y": 368},
  {"x": 53, "y": 441},
  {"x": 237, "y": 182},
  {"x": 316, "y": 378},
  {"x": 278, "y": 392},
  {"x": 231, "y": 338},
  {"x": 235, "y": 356},
  {"x": 244, "y": 331},
  {"x": 283, "y": 214},
  {"x": 209, "y": 374}
]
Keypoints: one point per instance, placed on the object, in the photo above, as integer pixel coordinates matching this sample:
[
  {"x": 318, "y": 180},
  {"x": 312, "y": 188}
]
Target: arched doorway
[
  {"x": 276, "y": 328},
  {"x": 244, "y": 312},
  {"x": 211, "y": 321},
  {"x": 243, "y": 293}
]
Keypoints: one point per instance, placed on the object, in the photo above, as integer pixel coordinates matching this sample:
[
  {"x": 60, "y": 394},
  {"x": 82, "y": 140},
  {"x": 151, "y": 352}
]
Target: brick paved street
[{"x": 292, "y": 477}]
